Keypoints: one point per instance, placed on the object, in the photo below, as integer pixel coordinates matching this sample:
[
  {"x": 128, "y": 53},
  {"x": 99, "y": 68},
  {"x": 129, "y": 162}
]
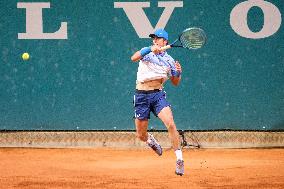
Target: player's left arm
[{"x": 176, "y": 74}]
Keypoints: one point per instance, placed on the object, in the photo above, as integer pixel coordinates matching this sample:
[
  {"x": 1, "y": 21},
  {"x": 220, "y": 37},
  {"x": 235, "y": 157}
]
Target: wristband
[
  {"x": 144, "y": 51},
  {"x": 176, "y": 73}
]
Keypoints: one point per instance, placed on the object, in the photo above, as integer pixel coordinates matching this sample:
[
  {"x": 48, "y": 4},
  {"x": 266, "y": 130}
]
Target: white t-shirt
[{"x": 155, "y": 66}]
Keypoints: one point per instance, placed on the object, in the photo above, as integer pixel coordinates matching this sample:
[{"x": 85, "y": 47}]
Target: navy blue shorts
[{"x": 150, "y": 101}]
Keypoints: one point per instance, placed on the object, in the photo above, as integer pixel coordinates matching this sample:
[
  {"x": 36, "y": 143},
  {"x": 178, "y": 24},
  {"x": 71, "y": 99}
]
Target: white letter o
[{"x": 272, "y": 19}]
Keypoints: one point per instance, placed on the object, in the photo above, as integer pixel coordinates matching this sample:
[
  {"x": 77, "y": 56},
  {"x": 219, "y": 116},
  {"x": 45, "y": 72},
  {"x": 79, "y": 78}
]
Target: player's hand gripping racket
[{"x": 190, "y": 38}]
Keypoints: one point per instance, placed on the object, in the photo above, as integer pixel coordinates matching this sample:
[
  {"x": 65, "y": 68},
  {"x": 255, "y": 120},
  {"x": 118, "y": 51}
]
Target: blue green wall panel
[{"x": 87, "y": 81}]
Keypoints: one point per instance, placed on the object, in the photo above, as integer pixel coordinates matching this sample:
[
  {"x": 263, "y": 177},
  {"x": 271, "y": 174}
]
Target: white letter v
[{"x": 139, "y": 20}]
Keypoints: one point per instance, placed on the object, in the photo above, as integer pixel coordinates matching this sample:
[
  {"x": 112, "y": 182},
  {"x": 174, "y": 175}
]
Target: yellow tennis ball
[{"x": 25, "y": 56}]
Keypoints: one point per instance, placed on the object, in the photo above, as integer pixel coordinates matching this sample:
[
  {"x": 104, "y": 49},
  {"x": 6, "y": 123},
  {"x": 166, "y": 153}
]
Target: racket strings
[{"x": 193, "y": 38}]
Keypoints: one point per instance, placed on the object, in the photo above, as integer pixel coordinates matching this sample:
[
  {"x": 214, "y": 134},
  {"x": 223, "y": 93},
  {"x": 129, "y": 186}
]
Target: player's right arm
[
  {"x": 144, "y": 51},
  {"x": 136, "y": 56}
]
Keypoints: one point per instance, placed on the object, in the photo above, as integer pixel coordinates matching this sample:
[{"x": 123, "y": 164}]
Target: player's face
[{"x": 160, "y": 41}]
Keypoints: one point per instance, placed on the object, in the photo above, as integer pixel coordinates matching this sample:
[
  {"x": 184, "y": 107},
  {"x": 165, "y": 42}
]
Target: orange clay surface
[{"x": 31, "y": 168}]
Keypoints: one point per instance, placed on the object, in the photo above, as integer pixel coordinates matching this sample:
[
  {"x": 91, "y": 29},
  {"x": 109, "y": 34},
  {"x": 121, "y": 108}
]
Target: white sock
[{"x": 178, "y": 154}]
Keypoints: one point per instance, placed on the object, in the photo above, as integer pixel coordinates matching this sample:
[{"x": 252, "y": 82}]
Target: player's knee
[{"x": 171, "y": 125}]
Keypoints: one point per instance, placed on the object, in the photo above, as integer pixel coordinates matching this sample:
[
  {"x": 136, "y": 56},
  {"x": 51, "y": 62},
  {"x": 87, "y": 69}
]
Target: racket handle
[{"x": 166, "y": 47}]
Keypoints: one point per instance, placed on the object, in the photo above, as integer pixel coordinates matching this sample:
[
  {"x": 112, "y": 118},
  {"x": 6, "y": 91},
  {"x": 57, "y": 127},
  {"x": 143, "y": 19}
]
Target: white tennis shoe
[
  {"x": 180, "y": 167},
  {"x": 155, "y": 145}
]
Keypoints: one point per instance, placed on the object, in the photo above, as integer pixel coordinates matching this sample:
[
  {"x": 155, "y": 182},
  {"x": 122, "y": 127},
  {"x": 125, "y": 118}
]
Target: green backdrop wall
[{"x": 87, "y": 81}]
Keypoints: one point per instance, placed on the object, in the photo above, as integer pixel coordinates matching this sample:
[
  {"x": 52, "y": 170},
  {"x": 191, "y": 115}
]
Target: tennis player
[{"x": 155, "y": 68}]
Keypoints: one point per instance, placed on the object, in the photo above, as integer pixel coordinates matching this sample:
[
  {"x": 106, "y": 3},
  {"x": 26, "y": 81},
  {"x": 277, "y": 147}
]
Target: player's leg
[
  {"x": 167, "y": 118},
  {"x": 141, "y": 132},
  {"x": 142, "y": 114},
  {"x": 141, "y": 129}
]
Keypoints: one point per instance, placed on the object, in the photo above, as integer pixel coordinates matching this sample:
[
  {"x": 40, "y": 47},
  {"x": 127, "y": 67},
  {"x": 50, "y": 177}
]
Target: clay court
[{"x": 30, "y": 168}]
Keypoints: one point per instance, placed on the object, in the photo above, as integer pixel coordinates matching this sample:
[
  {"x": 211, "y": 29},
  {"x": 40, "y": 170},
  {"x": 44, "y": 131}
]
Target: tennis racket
[{"x": 190, "y": 38}]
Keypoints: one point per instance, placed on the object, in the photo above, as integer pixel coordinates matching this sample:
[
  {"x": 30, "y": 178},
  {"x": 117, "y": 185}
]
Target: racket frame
[{"x": 178, "y": 39}]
